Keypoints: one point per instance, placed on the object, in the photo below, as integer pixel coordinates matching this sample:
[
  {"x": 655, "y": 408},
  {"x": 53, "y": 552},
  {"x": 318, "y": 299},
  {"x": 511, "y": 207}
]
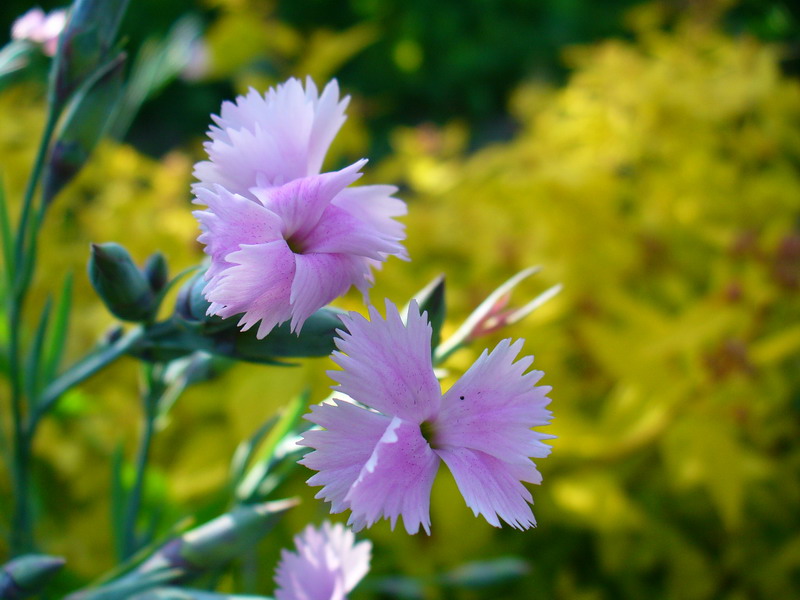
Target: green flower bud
[
  {"x": 191, "y": 305},
  {"x": 83, "y": 127},
  {"x": 84, "y": 44},
  {"x": 26, "y": 575},
  {"x": 217, "y": 542},
  {"x": 155, "y": 270},
  {"x": 120, "y": 283}
]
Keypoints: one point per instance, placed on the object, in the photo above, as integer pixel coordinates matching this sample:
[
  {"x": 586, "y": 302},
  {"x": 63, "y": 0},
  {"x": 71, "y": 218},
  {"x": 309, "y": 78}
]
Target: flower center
[
  {"x": 296, "y": 244},
  {"x": 426, "y": 428}
]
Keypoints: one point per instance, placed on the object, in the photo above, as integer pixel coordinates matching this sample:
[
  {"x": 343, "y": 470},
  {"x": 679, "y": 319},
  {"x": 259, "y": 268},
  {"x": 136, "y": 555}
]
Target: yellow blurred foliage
[{"x": 660, "y": 186}]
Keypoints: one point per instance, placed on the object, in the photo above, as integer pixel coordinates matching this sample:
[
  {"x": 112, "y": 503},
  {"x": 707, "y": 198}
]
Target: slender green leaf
[
  {"x": 486, "y": 572},
  {"x": 266, "y": 455},
  {"x": 246, "y": 449},
  {"x": 134, "y": 561},
  {"x": 32, "y": 367},
  {"x": 56, "y": 340},
  {"x": 14, "y": 57},
  {"x": 158, "y": 62},
  {"x": 118, "y": 499},
  {"x": 7, "y": 241}
]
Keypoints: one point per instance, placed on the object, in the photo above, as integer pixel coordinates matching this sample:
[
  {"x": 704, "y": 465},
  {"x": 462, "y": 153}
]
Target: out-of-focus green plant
[{"x": 661, "y": 187}]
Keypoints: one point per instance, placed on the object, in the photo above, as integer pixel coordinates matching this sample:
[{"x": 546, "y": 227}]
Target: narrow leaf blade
[{"x": 56, "y": 340}]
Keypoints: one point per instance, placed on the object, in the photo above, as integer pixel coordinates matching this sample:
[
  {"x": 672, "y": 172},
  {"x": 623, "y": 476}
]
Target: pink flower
[
  {"x": 285, "y": 240},
  {"x": 271, "y": 139},
  {"x": 379, "y": 460},
  {"x": 327, "y": 565},
  {"x": 40, "y": 28}
]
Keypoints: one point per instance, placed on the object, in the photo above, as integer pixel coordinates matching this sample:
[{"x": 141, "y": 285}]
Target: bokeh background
[{"x": 647, "y": 155}]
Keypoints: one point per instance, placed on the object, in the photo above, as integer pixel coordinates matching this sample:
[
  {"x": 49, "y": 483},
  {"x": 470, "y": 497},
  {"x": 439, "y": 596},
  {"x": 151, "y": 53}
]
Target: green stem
[
  {"x": 26, "y": 235},
  {"x": 24, "y": 244},
  {"x": 151, "y": 397},
  {"x": 21, "y": 526},
  {"x": 130, "y": 542},
  {"x": 21, "y": 535}
]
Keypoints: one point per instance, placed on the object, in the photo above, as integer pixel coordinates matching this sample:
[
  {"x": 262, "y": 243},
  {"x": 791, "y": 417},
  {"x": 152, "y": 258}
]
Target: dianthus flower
[
  {"x": 285, "y": 240},
  {"x": 379, "y": 457},
  {"x": 327, "y": 565},
  {"x": 40, "y": 28}
]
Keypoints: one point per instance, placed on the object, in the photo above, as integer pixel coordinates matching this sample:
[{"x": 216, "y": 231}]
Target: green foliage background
[{"x": 656, "y": 175}]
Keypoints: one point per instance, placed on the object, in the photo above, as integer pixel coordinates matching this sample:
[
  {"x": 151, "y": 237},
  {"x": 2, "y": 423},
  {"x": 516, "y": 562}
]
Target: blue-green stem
[
  {"x": 151, "y": 397},
  {"x": 28, "y": 230},
  {"x": 24, "y": 433},
  {"x": 21, "y": 525},
  {"x": 22, "y": 522},
  {"x": 82, "y": 370}
]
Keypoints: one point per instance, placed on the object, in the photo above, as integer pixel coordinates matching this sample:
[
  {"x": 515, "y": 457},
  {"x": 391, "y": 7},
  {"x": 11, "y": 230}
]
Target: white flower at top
[
  {"x": 285, "y": 239},
  {"x": 327, "y": 565}
]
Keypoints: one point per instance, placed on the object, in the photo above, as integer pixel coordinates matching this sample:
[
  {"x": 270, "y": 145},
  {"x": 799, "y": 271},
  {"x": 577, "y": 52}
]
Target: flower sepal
[
  {"x": 180, "y": 336},
  {"x": 191, "y": 307},
  {"x": 431, "y": 300}
]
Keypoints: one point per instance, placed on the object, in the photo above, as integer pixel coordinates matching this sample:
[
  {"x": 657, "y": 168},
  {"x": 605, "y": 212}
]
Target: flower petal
[
  {"x": 327, "y": 565},
  {"x": 493, "y": 406},
  {"x": 328, "y": 119},
  {"x": 230, "y": 221},
  {"x": 387, "y": 364},
  {"x": 339, "y": 231},
  {"x": 492, "y": 487},
  {"x": 236, "y": 165},
  {"x": 374, "y": 205},
  {"x": 342, "y": 449},
  {"x": 282, "y": 135},
  {"x": 396, "y": 480},
  {"x": 301, "y": 202},
  {"x": 320, "y": 278},
  {"x": 258, "y": 285}
]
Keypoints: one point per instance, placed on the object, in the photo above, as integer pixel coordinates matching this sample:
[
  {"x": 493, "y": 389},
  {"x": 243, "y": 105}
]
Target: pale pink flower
[
  {"x": 379, "y": 460},
  {"x": 285, "y": 240},
  {"x": 271, "y": 139},
  {"x": 40, "y": 28},
  {"x": 327, "y": 565}
]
